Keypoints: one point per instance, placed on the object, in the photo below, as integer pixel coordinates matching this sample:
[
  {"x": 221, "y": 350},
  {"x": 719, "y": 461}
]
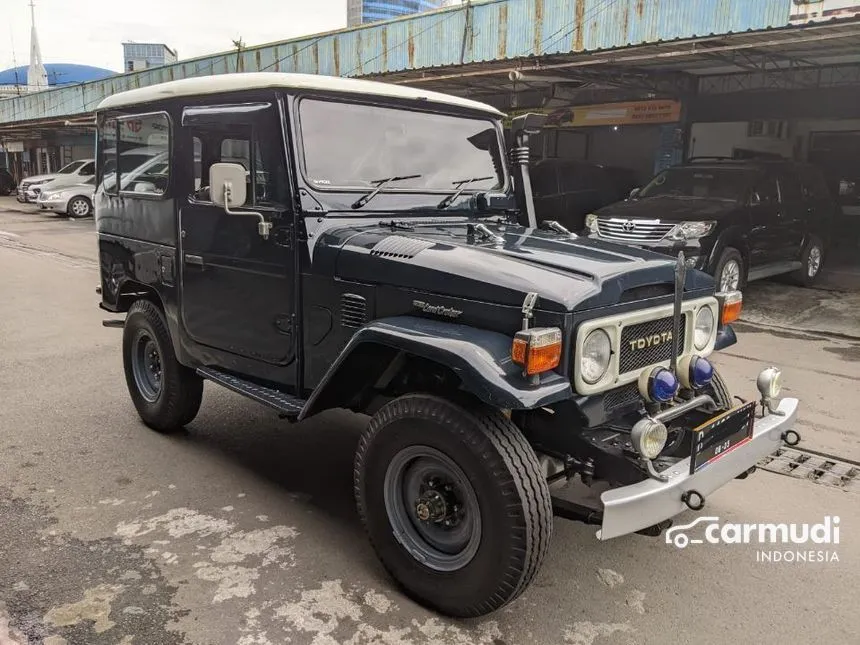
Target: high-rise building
[
  {"x": 137, "y": 56},
  {"x": 362, "y": 11}
]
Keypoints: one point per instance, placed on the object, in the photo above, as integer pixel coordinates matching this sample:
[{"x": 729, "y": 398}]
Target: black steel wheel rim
[
  {"x": 147, "y": 366},
  {"x": 432, "y": 508}
]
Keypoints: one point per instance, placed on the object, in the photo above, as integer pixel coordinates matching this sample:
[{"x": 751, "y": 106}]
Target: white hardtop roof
[{"x": 203, "y": 85}]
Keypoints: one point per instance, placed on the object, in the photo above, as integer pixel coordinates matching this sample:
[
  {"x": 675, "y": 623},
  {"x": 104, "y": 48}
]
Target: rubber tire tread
[
  {"x": 497, "y": 441},
  {"x": 181, "y": 390}
]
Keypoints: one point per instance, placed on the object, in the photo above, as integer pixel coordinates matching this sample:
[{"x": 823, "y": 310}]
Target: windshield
[
  {"x": 706, "y": 183},
  {"x": 72, "y": 167},
  {"x": 353, "y": 146}
]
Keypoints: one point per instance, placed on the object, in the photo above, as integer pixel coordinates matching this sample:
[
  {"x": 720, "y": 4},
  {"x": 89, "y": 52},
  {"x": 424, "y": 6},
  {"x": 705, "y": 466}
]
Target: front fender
[{"x": 479, "y": 357}]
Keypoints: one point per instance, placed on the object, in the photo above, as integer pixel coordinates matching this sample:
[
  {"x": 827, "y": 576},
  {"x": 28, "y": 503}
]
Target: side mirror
[
  {"x": 634, "y": 193},
  {"x": 227, "y": 184},
  {"x": 227, "y": 189}
]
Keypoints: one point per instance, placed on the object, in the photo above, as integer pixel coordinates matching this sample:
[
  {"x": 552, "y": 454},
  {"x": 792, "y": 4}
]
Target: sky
[{"x": 91, "y": 32}]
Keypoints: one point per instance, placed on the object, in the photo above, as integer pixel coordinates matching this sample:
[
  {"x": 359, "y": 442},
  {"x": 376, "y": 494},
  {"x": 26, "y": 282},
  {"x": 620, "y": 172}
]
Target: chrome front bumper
[{"x": 632, "y": 508}]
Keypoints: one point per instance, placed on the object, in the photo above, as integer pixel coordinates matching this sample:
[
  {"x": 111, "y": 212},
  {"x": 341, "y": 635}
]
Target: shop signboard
[{"x": 657, "y": 111}]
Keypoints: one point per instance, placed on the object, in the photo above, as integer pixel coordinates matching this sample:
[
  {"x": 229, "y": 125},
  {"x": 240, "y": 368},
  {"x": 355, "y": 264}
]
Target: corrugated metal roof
[{"x": 471, "y": 33}]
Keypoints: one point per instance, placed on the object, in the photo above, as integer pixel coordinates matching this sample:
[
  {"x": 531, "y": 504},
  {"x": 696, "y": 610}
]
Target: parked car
[
  {"x": 567, "y": 190},
  {"x": 7, "y": 182},
  {"x": 407, "y": 278},
  {"x": 73, "y": 173},
  {"x": 738, "y": 220},
  {"x": 76, "y": 200}
]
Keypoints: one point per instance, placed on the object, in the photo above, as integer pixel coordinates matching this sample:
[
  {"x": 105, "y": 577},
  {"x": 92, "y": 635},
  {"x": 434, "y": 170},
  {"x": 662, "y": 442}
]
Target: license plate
[{"x": 721, "y": 435}]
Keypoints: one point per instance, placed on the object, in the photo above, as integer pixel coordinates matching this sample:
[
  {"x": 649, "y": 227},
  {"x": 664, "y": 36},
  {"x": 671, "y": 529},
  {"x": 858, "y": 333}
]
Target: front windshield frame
[
  {"x": 70, "y": 168},
  {"x": 392, "y": 188},
  {"x": 746, "y": 178}
]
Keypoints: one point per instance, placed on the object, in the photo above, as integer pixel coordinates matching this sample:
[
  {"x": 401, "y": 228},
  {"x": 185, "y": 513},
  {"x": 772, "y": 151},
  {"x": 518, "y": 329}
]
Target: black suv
[
  {"x": 566, "y": 190},
  {"x": 737, "y": 220},
  {"x": 7, "y": 182},
  {"x": 317, "y": 243}
]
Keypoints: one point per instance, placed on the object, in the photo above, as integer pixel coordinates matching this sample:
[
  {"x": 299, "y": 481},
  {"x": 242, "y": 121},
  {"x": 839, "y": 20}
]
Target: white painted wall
[{"x": 721, "y": 139}]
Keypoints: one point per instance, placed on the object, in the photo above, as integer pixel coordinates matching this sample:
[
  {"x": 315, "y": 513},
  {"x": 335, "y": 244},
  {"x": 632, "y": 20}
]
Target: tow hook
[
  {"x": 694, "y": 500},
  {"x": 791, "y": 437}
]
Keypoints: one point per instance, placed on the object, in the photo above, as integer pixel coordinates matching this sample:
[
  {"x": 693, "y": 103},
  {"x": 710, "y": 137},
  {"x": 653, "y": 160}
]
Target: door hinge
[{"x": 284, "y": 323}]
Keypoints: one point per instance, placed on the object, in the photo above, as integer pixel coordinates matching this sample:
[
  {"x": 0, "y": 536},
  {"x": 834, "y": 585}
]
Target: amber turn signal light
[
  {"x": 731, "y": 304},
  {"x": 537, "y": 350}
]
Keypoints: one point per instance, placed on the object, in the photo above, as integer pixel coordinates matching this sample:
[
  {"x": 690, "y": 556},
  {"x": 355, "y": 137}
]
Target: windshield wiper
[
  {"x": 361, "y": 201},
  {"x": 462, "y": 184}
]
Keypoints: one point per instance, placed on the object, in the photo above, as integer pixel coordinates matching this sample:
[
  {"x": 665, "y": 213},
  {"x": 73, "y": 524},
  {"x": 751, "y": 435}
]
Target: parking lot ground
[{"x": 242, "y": 529}]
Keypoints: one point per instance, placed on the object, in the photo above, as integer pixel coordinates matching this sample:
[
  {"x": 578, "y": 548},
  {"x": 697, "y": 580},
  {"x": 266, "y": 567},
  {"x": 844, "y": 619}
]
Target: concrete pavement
[{"x": 242, "y": 530}]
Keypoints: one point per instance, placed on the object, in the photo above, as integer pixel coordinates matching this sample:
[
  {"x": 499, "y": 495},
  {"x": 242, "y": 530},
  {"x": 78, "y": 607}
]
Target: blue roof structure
[{"x": 58, "y": 74}]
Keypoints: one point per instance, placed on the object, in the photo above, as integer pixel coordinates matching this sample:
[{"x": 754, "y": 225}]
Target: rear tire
[
  {"x": 493, "y": 486},
  {"x": 730, "y": 272},
  {"x": 167, "y": 395},
  {"x": 812, "y": 258}
]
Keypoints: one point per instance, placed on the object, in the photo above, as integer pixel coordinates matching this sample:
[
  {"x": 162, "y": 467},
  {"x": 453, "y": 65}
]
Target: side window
[
  {"x": 107, "y": 151},
  {"x": 88, "y": 169},
  {"x": 813, "y": 185},
  {"x": 262, "y": 159},
  {"x": 766, "y": 192},
  {"x": 544, "y": 180},
  {"x": 144, "y": 152},
  {"x": 789, "y": 188}
]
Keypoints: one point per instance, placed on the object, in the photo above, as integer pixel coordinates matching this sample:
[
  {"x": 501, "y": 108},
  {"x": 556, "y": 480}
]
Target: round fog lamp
[
  {"x": 769, "y": 383},
  {"x": 659, "y": 385},
  {"x": 695, "y": 372},
  {"x": 648, "y": 437}
]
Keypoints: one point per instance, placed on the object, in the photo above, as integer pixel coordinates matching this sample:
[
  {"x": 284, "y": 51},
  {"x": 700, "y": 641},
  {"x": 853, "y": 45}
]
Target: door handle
[{"x": 194, "y": 260}]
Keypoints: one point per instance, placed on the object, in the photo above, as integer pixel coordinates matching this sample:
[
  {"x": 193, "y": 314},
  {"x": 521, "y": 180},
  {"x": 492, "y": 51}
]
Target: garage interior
[{"x": 790, "y": 92}]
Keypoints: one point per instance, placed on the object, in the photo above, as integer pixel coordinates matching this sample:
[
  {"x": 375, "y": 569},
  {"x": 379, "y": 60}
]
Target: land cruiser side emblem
[
  {"x": 651, "y": 341},
  {"x": 439, "y": 310}
]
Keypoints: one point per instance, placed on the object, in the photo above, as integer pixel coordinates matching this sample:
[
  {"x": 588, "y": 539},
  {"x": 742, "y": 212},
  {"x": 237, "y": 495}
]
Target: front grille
[
  {"x": 633, "y": 230},
  {"x": 648, "y": 352},
  {"x": 626, "y": 396}
]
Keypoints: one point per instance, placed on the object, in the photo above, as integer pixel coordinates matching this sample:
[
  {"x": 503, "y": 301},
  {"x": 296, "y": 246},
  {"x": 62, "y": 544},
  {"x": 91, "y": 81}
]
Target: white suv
[{"x": 76, "y": 172}]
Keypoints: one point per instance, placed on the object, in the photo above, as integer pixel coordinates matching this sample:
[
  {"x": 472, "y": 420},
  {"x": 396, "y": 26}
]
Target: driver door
[{"x": 237, "y": 287}]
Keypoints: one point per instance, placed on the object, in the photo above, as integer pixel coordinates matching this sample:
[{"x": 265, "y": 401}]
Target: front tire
[
  {"x": 812, "y": 259},
  {"x": 454, "y": 502},
  {"x": 79, "y": 207},
  {"x": 166, "y": 394},
  {"x": 730, "y": 272}
]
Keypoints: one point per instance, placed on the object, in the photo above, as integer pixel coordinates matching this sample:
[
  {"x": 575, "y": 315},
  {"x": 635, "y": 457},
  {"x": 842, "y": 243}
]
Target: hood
[
  {"x": 30, "y": 180},
  {"x": 445, "y": 258},
  {"x": 82, "y": 189},
  {"x": 671, "y": 208}
]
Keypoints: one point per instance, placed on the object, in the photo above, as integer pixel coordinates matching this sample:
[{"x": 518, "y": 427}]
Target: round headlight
[
  {"x": 704, "y": 328},
  {"x": 596, "y": 354},
  {"x": 648, "y": 437},
  {"x": 769, "y": 383}
]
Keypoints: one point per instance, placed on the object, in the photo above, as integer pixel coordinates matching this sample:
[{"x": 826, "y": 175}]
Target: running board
[
  {"x": 769, "y": 270},
  {"x": 288, "y": 405}
]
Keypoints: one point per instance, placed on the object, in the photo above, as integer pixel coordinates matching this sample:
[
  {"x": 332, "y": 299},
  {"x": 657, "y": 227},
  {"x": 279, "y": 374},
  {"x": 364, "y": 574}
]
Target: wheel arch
[
  {"x": 453, "y": 358},
  {"x": 734, "y": 237}
]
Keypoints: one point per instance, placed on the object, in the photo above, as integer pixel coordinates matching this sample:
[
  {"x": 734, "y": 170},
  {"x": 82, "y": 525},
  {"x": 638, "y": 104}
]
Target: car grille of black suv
[
  {"x": 657, "y": 350},
  {"x": 633, "y": 230}
]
